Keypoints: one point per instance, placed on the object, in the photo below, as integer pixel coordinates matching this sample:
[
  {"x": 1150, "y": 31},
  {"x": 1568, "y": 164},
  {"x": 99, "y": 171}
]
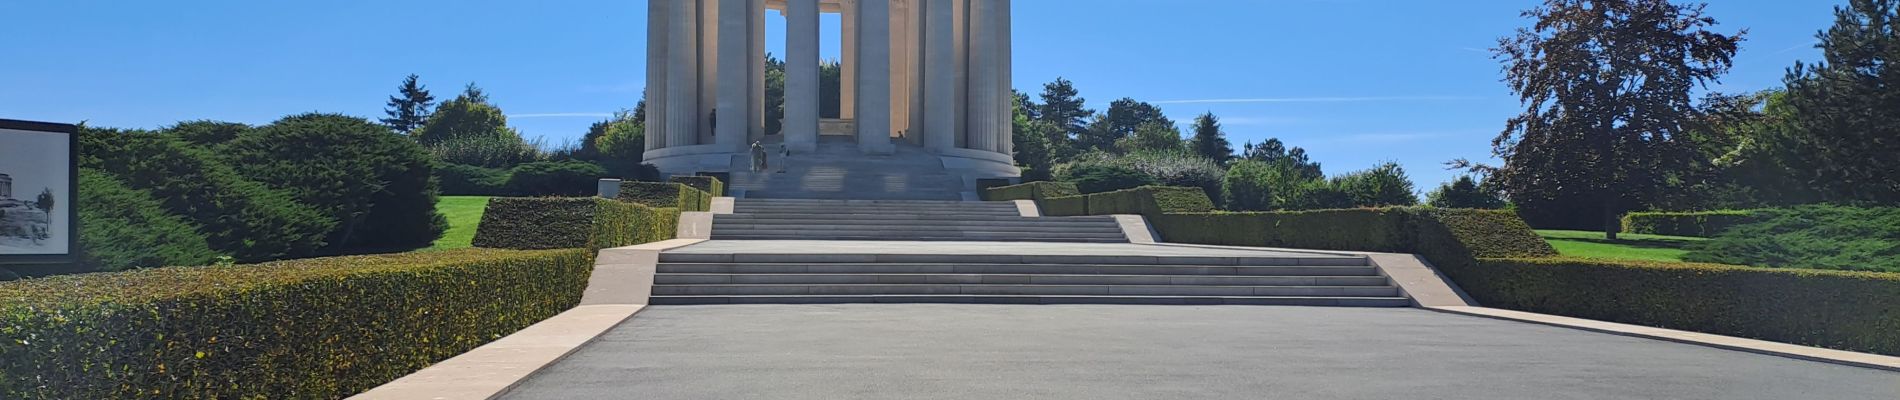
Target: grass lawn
[
  {"x": 1626, "y": 247},
  {"x": 464, "y": 212}
]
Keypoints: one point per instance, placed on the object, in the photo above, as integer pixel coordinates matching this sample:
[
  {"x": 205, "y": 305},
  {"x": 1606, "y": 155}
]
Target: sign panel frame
[{"x": 67, "y": 202}]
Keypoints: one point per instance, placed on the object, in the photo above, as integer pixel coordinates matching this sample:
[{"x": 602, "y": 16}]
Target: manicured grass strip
[
  {"x": 1627, "y": 246},
  {"x": 464, "y": 213}
]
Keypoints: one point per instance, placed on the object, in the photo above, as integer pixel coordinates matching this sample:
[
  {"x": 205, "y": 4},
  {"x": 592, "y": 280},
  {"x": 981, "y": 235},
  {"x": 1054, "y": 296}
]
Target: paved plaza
[{"x": 1156, "y": 352}]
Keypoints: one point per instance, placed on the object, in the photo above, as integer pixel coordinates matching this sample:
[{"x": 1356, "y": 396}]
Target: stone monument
[{"x": 921, "y": 78}]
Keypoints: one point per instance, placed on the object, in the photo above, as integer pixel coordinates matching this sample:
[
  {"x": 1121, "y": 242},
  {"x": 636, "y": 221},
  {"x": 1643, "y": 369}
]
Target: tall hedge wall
[
  {"x": 572, "y": 222},
  {"x": 311, "y": 328},
  {"x": 1856, "y": 311},
  {"x": 665, "y": 195},
  {"x": 708, "y": 184},
  {"x": 1444, "y": 236},
  {"x": 1691, "y": 223},
  {"x": 1145, "y": 200},
  {"x": 1038, "y": 191}
]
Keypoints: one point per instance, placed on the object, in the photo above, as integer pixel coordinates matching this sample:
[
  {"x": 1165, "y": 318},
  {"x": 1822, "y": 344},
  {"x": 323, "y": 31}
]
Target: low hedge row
[
  {"x": 1691, "y": 223},
  {"x": 1145, "y": 200},
  {"x": 572, "y": 222},
  {"x": 665, "y": 195},
  {"x": 311, "y": 328},
  {"x": 707, "y": 184},
  {"x": 1037, "y": 191},
  {"x": 1442, "y": 235},
  {"x": 1855, "y": 311}
]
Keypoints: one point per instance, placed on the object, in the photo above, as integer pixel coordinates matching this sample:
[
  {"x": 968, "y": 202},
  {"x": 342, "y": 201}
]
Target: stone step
[
  {"x": 894, "y": 232},
  {"x": 861, "y": 202},
  {"x": 825, "y": 228},
  {"x": 756, "y": 209},
  {"x": 1089, "y": 260},
  {"x": 876, "y": 238},
  {"x": 1004, "y": 299},
  {"x": 860, "y": 194},
  {"x": 889, "y": 268},
  {"x": 919, "y": 218},
  {"x": 1031, "y": 279},
  {"x": 1024, "y": 290}
]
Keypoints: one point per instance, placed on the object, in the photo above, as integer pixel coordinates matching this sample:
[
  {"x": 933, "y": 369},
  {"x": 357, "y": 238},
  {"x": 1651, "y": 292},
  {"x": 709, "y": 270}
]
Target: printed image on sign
[{"x": 35, "y": 182}]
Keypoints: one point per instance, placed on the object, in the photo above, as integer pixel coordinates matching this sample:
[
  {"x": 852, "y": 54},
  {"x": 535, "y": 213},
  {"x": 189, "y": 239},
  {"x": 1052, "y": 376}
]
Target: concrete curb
[
  {"x": 1799, "y": 352},
  {"x": 1027, "y": 208}
]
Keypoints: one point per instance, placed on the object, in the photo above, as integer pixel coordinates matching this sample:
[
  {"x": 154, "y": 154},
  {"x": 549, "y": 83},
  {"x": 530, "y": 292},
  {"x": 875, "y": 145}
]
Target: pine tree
[
  {"x": 410, "y": 107},
  {"x": 1208, "y": 139},
  {"x": 1845, "y": 127},
  {"x": 1064, "y": 108}
]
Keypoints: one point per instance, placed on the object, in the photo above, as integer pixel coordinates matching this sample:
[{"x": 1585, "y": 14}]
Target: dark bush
[
  {"x": 1146, "y": 200},
  {"x": 1383, "y": 186},
  {"x": 243, "y": 218},
  {"x": 311, "y": 328},
  {"x": 1688, "y": 223},
  {"x": 1105, "y": 178},
  {"x": 378, "y": 186},
  {"x": 665, "y": 195},
  {"x": 1170, "y": 167},
  {"x": 578, "y": 222},
  {"x": 1853, "y": 311},
  {"x": 710, "y": 185},
  {"x": 469, "y": 180},
  {"x": 207, "y": 133},
  {"x": 1465, "y": 193},
  {"x": 556, "y": 178},
  {"x": 1817, "y": 237},
  {"x": 1446, "y": 237},
  {"x": 1031, "y": 191},
  {"x": 126, "y": 228},
  {"x": 1316, "y": 195}
]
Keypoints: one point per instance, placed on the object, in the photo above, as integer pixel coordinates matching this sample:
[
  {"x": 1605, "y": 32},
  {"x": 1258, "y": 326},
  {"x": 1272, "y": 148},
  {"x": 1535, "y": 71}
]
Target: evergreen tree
[
  {"x": 1125, "y": 116},
  {"x": 1208, "y": 139},
  {"x": 1605, "y": 86},
  {"x": 830, "y": 89},
  {"x": 409, "y": 108},
  {"x": 1063, "y": 108},
  {"x": 1031, "y": 139},
  {"x": 1844, "y": 133}
]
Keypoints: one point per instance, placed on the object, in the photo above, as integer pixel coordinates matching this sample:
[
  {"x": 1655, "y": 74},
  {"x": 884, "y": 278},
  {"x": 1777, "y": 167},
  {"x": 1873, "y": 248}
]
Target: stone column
[
  {"x": 682, "y": 94},
  {"x": 874, "y": 77},
  {"x": 734, "y": 86},
  {"x": 983, "y": 75},
  {"x": 848, "y": 61},
  {"x": 801, "y": 75},
  {"x": 1006, "y": 125},
  {"x": 961, "y": 61},
  {"x": 756, "y": 65},
  {"x": 940, "y": 78},
  {"x": 657, "y": 64}
]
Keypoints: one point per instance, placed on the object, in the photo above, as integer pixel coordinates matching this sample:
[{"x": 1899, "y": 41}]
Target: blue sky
[{"x": 1355, "y": 82}]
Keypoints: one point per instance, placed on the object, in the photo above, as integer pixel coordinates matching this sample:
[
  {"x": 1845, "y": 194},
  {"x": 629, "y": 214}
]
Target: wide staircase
[
  {"x": 914, "y": 220},
  {"x": 698, "y": 278},
  {"x": 838, "y": 170}
]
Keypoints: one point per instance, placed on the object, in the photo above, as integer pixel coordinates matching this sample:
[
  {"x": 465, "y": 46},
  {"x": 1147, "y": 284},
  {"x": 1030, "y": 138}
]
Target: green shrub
[
  {"x": 1818, "y": 237},
  {"x": 312, "y": 328},
  {"x": 1689, "y": 223},
  {"x": 574, "y": 222},
  {"x": 1105, "y": 178},
  {"x": 1249, "y": 186},
  {"x": 1165, "y": 167},
  {"x": 1383, "y": 186},
  {"x": 665, "y": 195},
  {"x": 1038, "y": 191},
  {"x": 243, "y": 218},
  {"x": 126, "y": 228},
  {"x": 556, "y": 178},
  {"x": 1146, "y": 200},
  {"x": 1855, "y": 311},
  {"x": 1064, "y": 206},
  {"x": 1465, "y": 192},
  {"x": 1443, "y": 236},
  {"x": 376, "y": 185},
  {"x": 1316, "y": 195},
  {"x": 469, "y": 180},
  {"x": 710, "y": 185},
  {"x": 207, "y": 133},
  {"x": 501, "y": 151}
]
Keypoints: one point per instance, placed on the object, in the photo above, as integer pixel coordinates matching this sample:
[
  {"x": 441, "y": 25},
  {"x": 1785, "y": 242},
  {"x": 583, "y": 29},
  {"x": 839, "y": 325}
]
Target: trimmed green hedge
[
  {"x": 1855, "y": 311},
  {"x": 665, "y": 195},
  {"x": 1145, "y": 200},
  {"x": 707, "y": 184},
  {"x": 1691, "y": 223},
  {"x": 572, "y": 222},
  {"x": 1441, "y": 235},
  {"x": 312, "y": 328},
  {"x": 1037, "y": 191}
]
